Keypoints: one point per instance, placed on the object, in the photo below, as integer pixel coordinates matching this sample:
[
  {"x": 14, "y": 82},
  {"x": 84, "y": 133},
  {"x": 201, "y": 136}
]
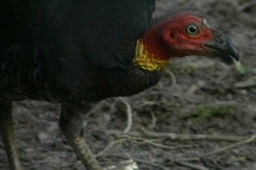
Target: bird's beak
[{"x": 221, "y": 46}]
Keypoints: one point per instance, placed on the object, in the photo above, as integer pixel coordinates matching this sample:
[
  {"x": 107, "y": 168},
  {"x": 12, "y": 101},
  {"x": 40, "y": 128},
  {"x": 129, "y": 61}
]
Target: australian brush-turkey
[{"x": 79, "y": 51}]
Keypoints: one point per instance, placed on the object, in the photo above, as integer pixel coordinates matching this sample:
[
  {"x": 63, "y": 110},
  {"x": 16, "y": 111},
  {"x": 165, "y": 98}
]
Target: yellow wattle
[{"x": 147, "y": 60}]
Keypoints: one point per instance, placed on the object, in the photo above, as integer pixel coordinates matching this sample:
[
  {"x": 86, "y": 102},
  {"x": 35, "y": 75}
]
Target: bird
[{"x": 78, "y": 52}]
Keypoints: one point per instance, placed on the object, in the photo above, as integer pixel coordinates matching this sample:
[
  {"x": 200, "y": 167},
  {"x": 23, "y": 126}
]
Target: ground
[{"x": 195, "y": 96}]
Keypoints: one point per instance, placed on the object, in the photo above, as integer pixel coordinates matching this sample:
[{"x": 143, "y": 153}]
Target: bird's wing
[
  {"x": 127, "y": 24},
  {"x": 71, "y": 36},
  {"x": 105, "y": 31},
  {"x": 109, "y": 29}
]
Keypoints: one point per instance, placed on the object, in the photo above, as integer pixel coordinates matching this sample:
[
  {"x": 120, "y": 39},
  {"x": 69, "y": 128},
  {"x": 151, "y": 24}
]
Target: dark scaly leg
[
  {"x": 7, "y": 135},
  {"x": 71, "y": 126}
]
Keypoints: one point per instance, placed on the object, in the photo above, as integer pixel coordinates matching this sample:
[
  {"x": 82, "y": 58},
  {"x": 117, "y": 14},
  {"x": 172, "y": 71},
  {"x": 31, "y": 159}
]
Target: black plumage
[{"x": 70, "y": 51}]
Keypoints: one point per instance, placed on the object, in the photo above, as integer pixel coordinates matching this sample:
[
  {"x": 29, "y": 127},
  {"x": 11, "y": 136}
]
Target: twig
[
  {"x": 95, "y": 108},
  {"x": 191, "y": 166},
  {"x": 145, "y": 103},
  {"x": 220, "y": 150},
  {"x": 178, "y": 137},
  {"x": 129, "y": 114},
  {"x": 183, "y": 137},
  {"x": 154, "y": 120},
  {"x": 243, "y": 142},
  {"x": 246, "y": 5},
  {"x": 173, "y": 77},
  {"x": 246, "y": 84},
  {"x": 109, "y": 146},
  {"x": 184, "y": 162},
  {"x": 140, "y": 140}
]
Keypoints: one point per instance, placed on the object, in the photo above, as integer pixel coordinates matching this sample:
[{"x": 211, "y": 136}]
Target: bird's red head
[
  {"x": 185, "y": 33},
  {"x": 188, "y": 33}
]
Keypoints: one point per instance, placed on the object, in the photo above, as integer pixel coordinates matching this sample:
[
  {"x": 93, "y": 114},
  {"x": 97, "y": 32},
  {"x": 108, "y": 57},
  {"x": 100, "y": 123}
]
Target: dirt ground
[{"x": 195, "y": 96}]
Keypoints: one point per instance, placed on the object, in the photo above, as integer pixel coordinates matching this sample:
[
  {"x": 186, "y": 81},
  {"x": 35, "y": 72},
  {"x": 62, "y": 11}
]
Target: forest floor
[{"x": 201, "y": 115}]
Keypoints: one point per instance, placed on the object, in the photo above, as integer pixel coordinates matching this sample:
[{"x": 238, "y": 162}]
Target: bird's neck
[{"x": 147, "y": 60}]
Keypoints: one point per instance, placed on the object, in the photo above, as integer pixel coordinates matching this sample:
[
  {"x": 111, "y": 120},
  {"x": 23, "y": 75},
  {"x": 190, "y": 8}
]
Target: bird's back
[{"x": 51, "y": 49}]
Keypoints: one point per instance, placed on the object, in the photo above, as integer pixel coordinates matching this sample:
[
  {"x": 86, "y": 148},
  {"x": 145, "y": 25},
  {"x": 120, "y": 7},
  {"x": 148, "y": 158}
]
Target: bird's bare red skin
[{"x": 169, "y": 38}]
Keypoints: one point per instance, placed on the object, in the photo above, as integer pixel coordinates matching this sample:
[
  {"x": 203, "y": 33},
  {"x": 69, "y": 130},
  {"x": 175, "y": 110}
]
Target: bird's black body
[{"x": 72, "y": 50}]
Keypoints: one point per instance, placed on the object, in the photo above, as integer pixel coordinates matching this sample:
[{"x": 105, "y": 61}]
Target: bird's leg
[
  {"x": 7, "y": 135},
  {"x": 71, "y": 126}
]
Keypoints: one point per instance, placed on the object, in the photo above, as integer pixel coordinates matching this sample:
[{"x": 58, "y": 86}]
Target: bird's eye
[{"x": 192, "y": 29}]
